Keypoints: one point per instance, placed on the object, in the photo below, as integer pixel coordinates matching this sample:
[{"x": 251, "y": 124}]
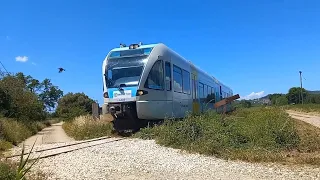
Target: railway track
[{"x": 49, "y": 152}]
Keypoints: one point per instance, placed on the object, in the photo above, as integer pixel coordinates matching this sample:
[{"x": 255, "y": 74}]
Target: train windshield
[{"x": 124, "y": 71}]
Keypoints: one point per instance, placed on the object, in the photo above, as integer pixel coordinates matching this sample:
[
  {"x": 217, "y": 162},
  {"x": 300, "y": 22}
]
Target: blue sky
[{"x": 251, "y": 46}]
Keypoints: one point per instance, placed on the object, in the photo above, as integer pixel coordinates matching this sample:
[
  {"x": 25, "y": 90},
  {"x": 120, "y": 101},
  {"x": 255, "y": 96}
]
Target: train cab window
[
  {"x": 168, "y": 75},
  {"x": 186, "y": 82},
  {"x": 155, "y": 77},
  {"x": 177, "y": 79}
]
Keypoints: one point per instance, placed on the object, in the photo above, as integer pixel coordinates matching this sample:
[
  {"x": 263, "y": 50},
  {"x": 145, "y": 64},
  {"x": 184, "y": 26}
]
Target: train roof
[
  {"x": 199, "y": 69},
  {"x": 188, "y": 61},
  {"x": 141, "y": 46}
]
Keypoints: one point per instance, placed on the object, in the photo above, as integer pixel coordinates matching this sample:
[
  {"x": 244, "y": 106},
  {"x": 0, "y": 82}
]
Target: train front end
[{"x": 122, "y": 71}]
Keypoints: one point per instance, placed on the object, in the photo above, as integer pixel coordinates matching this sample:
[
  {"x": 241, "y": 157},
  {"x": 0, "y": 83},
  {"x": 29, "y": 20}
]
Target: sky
[{"x": 254, "y": 47}]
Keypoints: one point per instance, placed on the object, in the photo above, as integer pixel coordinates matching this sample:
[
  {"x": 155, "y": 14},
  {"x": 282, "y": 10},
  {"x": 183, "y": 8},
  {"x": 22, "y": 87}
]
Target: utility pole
[{"x": 301, "y": 87}]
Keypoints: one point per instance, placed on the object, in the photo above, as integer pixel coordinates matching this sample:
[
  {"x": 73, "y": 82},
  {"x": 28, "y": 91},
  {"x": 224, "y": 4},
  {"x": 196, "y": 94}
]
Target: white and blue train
[{"x": 152, "y": 82}]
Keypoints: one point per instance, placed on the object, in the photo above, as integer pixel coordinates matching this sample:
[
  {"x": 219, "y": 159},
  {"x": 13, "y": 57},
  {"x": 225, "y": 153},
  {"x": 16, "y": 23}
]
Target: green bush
[
  {"x": 73, "y": 105},
  {"x": 14, "y": 131},
  {"x": 7, "y": 171},
  {"x": 4, "y": 145},
  {"x": 252, "y": 130},
  {"x": 17, "y": 102}
]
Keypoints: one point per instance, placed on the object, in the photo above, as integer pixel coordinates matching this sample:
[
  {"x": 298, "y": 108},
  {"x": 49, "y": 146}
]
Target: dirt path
[
  {"x": 52, "y": 134},
  {"x": 311, "y": 119}
]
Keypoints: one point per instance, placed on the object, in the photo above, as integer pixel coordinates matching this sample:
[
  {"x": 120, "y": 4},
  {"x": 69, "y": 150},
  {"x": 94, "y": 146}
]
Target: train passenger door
[
  {"x": 177, "y": 92},
  {"x": 195, "y": 100},
  {"x": 201, "y": 96},
  {"x": 168, "y": 88}
]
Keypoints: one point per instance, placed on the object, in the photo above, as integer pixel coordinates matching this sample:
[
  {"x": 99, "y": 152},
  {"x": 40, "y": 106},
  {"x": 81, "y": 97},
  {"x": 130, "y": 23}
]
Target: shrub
[
  {"x": 14, "y": 131},
  {"x": 74, "y": 105},
  {"x": 17, "y": 102},
  {"x": 4, "y": 145},
  {"x": 85, "y": 127},
  {"x": 7, "y": 171},
  {"x": 256, "y": 130}
]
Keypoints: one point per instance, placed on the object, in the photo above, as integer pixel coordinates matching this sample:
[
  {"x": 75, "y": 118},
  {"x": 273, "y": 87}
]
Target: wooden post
[{"x": 95, "y": 111}]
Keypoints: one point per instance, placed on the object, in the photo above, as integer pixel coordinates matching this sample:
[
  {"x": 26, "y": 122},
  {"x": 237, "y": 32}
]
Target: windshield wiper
[{"x": 121, "y": 85}]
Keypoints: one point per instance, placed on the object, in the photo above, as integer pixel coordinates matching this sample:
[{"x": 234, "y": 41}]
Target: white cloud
[
  {"x": 254, "y": 95},
  {"x": 22, "y": 58}
]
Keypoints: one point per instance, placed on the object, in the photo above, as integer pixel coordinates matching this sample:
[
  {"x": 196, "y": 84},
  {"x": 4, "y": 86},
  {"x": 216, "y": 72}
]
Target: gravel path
[
  {"x": 52, "y": 134},
  {"x": 311, "y": 119},
  {"x": 143, "y": 159}
]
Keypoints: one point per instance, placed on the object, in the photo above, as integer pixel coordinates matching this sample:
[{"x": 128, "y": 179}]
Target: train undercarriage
[{"x": 125, "y": 118}]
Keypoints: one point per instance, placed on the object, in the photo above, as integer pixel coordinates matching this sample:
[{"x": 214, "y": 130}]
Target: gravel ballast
[{"x": 144, "y": 159}]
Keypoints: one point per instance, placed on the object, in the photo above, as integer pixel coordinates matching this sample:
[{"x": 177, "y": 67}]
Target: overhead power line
[{"x": 4, "y": 67}]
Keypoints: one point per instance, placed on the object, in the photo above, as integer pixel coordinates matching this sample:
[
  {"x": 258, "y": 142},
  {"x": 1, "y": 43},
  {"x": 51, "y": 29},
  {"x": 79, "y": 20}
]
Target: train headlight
[
  {"x": 134, "y": 46},
  {"x": 106, "y": 95},
  {"x": 141, "y": 92}
]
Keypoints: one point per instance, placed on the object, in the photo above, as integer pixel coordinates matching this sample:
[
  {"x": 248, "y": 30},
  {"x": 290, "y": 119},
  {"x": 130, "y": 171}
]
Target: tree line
[
  {"x": 26, "y": 98},
  {"x": 292, "y": 97}
]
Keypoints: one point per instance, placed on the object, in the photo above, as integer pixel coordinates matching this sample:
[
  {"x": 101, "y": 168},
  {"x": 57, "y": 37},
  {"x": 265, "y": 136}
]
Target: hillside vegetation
[
  {"x": 25, "y": 103},
  {"x": 27, "y": 106},
  {"x": 252, "y": 134}
]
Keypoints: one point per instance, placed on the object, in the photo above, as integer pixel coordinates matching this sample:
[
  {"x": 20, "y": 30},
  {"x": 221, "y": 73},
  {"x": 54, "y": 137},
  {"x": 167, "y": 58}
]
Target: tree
[
  {"x": 18, "y": 103},
  {"x": 72, "y": 105},
  {"x": 45, "y": 90},
  {"x": 245, "y": 103},
  {"x": 281, "y": 100},
  {"x": 274, "y": 96},
  {"x": 313, "y": 98},
  {"x": 293, "y": 95},
  {"x": 49, "y": 94}
]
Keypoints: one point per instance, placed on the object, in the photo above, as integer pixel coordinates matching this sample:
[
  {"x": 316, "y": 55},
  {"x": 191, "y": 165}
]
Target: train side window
[
  {"x": 186, "y": 82},
  {"x": 201, "y": 95},
  {"x": 177, "y": 79},
  {"x": 213, "y": 96},
  {"x": 205, "y": 93},
  {"x": 168, "y": 75},
  {"x": 155, "y": 77},
  {"x": 194, "y": 95}
]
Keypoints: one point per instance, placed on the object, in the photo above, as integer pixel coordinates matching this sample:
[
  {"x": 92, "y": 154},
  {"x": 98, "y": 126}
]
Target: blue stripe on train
[{"x": 133, "y": 91}]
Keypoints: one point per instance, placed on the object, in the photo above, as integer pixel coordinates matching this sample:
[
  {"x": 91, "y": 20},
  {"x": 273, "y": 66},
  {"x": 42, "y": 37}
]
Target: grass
[
  {"x": 255, "y": 135},
  {"x": 308, "y": 108},
  {"x": 85, "y": 127},
  {"x": 13, "y": 132},
  {"x": 11, "y": 170},
  {"x": 7, "y": 170}
]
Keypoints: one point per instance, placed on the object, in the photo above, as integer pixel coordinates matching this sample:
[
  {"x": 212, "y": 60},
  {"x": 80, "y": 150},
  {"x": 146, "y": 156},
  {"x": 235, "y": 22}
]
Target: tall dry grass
[
  {"x": 307, "y": 108},
  {"x": 13, "y": 132},
  {"x": 85, "y": 127}
]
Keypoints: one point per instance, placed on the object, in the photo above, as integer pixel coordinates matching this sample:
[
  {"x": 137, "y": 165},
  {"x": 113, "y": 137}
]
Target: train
[{"x": 152, "y": 82}]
